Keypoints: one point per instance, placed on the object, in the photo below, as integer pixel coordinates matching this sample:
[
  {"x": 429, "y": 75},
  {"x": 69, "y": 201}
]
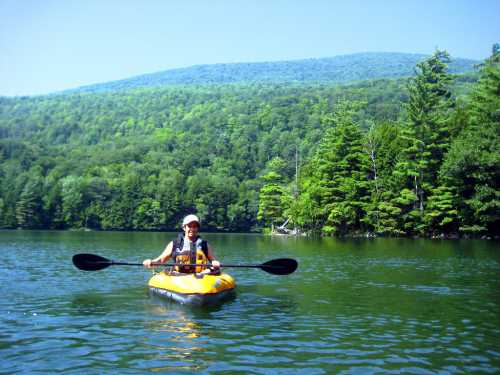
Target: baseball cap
[{"x": 189, "y": 219}]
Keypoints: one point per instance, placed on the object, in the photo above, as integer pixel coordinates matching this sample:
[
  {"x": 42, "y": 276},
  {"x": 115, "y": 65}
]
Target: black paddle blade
[
  {"x": 90, "y": 262},
  {"x": 282, "y": 266}
]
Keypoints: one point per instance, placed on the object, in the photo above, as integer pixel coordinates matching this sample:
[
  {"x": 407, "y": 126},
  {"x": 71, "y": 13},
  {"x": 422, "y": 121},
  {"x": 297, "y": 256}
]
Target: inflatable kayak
[{"x": 192, "y": 289}]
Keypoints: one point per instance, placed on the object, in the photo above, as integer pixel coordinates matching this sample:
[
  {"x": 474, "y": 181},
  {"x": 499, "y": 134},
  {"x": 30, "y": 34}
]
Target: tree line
[
  {"x": 338, "y": 69},
  {"x": 432, "y": 172},
  {"x": 411, "y": 156}
]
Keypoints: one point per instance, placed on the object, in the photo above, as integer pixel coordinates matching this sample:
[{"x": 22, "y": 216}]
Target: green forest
[
  {"x": 415, "y": 156},
  {"x": 337, "y": 69}
]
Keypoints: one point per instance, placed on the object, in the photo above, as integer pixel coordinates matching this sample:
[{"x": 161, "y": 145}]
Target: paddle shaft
[
  {"x": 112, "y": 263},
  {"x": 93, "y": 262}
]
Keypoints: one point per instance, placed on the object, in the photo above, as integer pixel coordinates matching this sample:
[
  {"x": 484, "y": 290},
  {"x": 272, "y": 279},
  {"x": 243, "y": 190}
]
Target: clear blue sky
[{"x": 47, "y": 46}]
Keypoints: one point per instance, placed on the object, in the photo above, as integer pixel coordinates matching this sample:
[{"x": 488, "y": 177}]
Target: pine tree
[
  {"x": 441, "y": 213},
  {"x": 485, "y": 103},
  {"x": 382, "y": 147},
  {"x": 428, "y": 109},
  {"x": 388, "y": 219},
  {"x": 472, "y": 165},
  {"x": 425, "y": 138},
  {"x": 339, "y": 180}
]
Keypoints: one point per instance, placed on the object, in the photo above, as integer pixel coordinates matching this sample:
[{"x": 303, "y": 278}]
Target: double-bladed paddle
[{"x": 93, "y": 262}]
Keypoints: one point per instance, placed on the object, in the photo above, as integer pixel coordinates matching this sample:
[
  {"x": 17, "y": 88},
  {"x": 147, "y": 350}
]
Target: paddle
[{"x": 93, "y": 262}]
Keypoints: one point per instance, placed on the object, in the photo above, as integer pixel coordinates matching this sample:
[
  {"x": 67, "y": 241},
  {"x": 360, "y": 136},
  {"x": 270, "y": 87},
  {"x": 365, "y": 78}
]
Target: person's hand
[
  {"x": 215, "y": 264},
  {"x": 147, "y": 263}
]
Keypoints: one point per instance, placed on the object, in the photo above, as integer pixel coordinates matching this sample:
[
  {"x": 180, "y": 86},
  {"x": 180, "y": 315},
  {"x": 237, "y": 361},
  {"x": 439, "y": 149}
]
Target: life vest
[{"x": 197, "y": 254}]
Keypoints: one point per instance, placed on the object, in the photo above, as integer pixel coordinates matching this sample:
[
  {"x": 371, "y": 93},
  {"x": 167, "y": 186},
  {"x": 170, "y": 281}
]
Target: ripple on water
[{"x": 364, "y": 309}]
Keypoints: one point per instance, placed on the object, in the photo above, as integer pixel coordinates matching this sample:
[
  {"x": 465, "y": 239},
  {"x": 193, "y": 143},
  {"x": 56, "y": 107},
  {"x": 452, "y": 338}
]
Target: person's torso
[{"x": 190, "y": 252}]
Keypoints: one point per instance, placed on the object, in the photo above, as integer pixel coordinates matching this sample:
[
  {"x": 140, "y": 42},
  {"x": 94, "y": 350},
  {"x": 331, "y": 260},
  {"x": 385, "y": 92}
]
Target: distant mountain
[{"x": 345, "y": 68}]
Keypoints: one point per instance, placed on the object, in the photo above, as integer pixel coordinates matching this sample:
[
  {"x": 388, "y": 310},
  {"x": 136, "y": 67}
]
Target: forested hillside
[
  {"x": 412, "y": 156},
  {"x": 338, "y": 69}
]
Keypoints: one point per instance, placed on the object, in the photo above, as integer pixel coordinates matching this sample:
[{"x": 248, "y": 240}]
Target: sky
[{"x": 48, "y": 46}]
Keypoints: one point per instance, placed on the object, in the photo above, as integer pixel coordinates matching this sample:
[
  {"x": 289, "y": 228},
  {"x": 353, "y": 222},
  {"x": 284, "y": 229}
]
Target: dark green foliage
[
  {"x": 425, "y": 139},
  {"x": 142, "y": 159},
  {"x": 394, "y": 157},
  {"x": 473, "y": 164},
  {"x": 337, "y": 176}
]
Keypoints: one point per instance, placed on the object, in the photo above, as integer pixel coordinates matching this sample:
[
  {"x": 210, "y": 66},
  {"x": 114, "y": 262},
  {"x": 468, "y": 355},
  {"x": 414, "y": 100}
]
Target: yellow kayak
[{"x": 192, "y": 289}]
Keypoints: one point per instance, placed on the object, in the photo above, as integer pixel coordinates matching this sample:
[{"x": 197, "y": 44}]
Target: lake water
[{"x": 353, "y": 306}]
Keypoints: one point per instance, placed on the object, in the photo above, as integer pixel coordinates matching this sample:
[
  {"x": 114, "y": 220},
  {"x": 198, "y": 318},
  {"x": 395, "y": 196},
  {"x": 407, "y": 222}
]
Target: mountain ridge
[{"x": 336, "y": 69}]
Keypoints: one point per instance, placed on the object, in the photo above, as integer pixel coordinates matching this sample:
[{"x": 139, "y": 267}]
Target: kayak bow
[{"x": 192, "y": 289}]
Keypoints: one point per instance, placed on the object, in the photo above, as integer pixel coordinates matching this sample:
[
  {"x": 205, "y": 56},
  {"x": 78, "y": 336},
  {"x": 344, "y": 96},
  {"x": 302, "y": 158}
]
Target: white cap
[{"x": 189, "y": 219}]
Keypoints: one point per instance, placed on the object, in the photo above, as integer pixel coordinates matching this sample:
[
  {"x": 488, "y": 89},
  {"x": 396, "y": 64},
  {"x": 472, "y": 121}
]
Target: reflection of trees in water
[
  {"x": 91, "y": 304},
  {"x": 104, "y": 302},
  {"x": 176, "y": 337}
]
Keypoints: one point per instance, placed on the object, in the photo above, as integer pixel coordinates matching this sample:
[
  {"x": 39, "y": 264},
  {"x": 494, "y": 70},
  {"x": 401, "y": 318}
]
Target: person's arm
[
  {"x": 211, "y": 258},
  {"x": 167, "y": 253}
]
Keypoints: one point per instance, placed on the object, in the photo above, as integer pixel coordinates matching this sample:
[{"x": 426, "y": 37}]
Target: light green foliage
[
  {"x": 72, "y": 200},
  {"x": 270, "y": 204},
  {"x": 441, "y": 213},
  {"x": 386, "y": 217},
  {"x": 382, "y": 144},
  {"x": 338, "y": 180},
  {"x": 273, "y": 197},
  {"x": 28, "y": 207},
  {"x": 401, "y": 163},
  {"x": 148, "y": 215}
]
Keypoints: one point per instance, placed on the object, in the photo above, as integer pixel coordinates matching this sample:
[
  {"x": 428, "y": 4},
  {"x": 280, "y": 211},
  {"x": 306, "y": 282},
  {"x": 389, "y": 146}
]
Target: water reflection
[
  {"x": 105, "y": 300},
  {"x": 360, "y": 306},
  {"x": 176, "y": 338},
  {"x": 172, "y": 318},
  {"x": 91, "y": 304}
]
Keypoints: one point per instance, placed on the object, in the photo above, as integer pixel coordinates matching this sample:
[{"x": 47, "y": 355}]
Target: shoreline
[{"x": 367, "y": 235}]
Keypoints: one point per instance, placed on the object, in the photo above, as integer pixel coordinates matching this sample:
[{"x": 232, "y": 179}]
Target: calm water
[{"x": 353, "y": 306}]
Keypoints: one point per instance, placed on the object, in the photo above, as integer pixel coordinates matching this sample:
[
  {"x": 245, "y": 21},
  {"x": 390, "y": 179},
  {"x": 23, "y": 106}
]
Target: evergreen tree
[
  {"x": 382, "y": 147},
  {"x": 425, "y": 137},
  {"x": 142, "y": 159},
  {"x": 441, "y": 213},
  {"x": 472, "y": 166},
  {"x": 339, "y": 179}
]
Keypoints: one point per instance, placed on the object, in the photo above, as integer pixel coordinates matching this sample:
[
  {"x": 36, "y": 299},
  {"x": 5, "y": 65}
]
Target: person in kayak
[{"x": 188, "y": 248}]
